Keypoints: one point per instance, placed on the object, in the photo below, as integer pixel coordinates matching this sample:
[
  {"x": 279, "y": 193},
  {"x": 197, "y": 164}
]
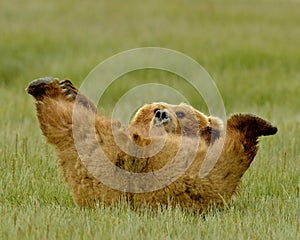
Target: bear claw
[{"x": 68, "y": 89}]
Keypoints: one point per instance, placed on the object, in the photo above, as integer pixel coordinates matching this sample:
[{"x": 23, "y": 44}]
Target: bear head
[{"x": 179, "y": 119}]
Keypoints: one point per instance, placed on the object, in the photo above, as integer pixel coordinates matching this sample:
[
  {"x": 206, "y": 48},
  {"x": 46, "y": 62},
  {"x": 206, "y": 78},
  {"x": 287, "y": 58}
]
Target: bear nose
[{"x": 161, "y": 116}]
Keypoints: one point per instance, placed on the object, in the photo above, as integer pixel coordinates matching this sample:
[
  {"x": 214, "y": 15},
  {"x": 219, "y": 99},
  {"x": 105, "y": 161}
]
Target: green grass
[{"x": 251, "y": 49}]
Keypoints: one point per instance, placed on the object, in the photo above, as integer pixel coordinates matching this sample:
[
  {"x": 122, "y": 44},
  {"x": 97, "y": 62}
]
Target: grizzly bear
[{"x": 156, "y": 160}]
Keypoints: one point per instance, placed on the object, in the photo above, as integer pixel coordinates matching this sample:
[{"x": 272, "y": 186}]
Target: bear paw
[{"x": 53, "y": 88}]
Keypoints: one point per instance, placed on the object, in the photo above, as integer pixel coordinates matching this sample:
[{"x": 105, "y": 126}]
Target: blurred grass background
[{"x": 251, "y": 50}]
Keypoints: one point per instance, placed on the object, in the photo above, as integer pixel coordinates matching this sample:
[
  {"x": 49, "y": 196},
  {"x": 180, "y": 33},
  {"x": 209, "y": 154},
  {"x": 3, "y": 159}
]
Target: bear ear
[
  {"x": 213, "y": 131},
  {"x": 216, "y": 123},
  {"x": 251, "y": 125}
]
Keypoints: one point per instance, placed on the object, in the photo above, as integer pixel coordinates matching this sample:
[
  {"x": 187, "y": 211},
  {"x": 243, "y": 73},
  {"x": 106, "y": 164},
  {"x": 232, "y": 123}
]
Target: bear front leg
[
  {"x": 54, "y": 107},
  {"x": 55, "y": 102}
]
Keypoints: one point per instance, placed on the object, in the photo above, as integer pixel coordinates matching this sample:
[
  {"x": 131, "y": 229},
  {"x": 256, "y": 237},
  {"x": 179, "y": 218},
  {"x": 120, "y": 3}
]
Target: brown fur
[{"x": 55, "y": 109}]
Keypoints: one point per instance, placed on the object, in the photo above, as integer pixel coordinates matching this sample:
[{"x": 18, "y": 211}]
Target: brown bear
[{"x": 98, "y": 169}]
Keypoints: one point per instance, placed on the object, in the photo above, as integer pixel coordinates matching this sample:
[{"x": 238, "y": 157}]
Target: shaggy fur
[{"x": 188, "y": 131}]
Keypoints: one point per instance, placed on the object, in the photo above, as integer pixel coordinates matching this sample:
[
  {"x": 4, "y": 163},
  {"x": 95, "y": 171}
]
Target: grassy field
[{"x": 250, "y": 48}]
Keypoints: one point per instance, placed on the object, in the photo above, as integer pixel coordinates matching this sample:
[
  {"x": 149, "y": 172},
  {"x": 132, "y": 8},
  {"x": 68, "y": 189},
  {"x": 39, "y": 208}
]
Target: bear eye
[{"x": 180, "y": 114}]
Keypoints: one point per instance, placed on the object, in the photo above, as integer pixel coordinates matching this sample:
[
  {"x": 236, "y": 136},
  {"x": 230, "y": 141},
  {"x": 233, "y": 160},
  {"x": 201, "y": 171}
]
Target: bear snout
[{"x": 161, "y": 117}]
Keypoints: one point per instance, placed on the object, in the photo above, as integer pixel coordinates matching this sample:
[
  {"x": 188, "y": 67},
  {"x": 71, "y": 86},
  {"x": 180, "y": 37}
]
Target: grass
[{"x": 249, "y": 47}]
